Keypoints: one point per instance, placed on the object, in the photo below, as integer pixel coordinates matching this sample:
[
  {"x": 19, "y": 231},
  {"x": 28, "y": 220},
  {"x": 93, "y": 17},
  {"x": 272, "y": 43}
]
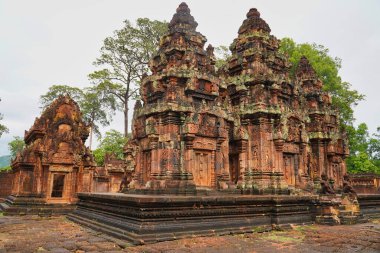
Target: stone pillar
[
  {"x": 37, "y": 176},
  {"x": 242, "y": 150},
  {"x": 154, "y": 163}
]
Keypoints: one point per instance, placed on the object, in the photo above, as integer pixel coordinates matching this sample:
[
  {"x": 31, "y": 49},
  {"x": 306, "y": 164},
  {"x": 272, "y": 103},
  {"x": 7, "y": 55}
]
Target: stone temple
[
  {"x": 247, "y": 147},
  {"x": 250, "y": 128}
]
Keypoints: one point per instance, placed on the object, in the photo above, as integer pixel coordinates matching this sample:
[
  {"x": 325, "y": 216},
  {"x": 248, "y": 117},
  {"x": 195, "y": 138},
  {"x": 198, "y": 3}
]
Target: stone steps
[
  {"x": 117, "y": 235},
  {"x": 14, "y": 205},
  {"x": 3, "y": 206},
  {"x": 327, "y": 220}
]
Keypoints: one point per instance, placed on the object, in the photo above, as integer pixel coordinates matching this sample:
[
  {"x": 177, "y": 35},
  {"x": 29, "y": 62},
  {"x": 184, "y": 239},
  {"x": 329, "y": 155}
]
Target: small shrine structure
[{"x": 55, "y": 163}]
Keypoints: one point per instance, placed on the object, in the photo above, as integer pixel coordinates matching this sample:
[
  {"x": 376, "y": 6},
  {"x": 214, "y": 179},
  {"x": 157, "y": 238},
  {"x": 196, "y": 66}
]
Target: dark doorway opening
[
  {"x": 234, "y": 167},
  {"x": 58, "y": 183}
]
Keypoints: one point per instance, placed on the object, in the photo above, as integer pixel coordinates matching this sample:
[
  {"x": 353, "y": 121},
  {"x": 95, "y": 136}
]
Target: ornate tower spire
[
  {"x": 307, "y": 77},
  {"x": 182, "y": 19},
  {"x": 254, "y": 22},
  {"x": 182, "y": 102},
  {"x": 304, "y": 69}
]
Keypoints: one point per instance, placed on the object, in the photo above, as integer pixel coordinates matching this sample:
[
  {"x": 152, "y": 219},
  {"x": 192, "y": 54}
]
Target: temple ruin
[
  {"x": 247, "y": 147},
  {"x": 219, "y": 151},
  {"x": 55, "y": 164},
  {"x": 250, "y": 128}
]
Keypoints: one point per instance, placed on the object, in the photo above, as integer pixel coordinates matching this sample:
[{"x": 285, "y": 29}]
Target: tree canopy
[
  {"x": 16, "y": 145},
  {"x": 364, "y": 150},
  {"x": 55, "y": 91},
  {"x": 113, "y": 142},
  {"x": 124, "y": 60},
  {"x": 222, "y": 53}
]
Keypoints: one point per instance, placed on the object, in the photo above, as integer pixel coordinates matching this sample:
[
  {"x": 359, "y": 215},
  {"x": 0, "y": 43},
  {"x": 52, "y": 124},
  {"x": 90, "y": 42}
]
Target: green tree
[
  {"x": 374, "y": 148},
  {"x": 222, "y": 54},
  {"x": 364, "y": 150},
  {"x": 358, "y": 138},
  {"x": 3, "y": 128},
  {"x": 124, "y": 60},
  {"x": 97, "y": 109},
  {"x": 361, "y": 163},
  {"x": 113, "y": 142},
  {"x": 16, "y": 145},
  {"x": 327, "y": 68},
  {"x": 60, "y": 90}
]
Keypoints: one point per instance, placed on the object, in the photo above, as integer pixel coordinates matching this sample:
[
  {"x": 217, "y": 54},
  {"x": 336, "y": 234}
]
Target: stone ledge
[{"x": 142, "y": 219}]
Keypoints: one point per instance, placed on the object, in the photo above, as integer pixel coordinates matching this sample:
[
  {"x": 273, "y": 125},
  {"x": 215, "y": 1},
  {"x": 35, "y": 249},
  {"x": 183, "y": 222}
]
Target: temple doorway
[
  {"x": 290, "y": 168},
  {"x": 202, "y": 168},
  {"x": 146, "y": 166},
  {"x": 58, "y": 185},
  {"x": 234, "y": 167}
]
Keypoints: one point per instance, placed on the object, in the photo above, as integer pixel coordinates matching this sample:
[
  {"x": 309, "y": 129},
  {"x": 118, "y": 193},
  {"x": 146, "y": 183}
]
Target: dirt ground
[{"x": 57, "y": 234}]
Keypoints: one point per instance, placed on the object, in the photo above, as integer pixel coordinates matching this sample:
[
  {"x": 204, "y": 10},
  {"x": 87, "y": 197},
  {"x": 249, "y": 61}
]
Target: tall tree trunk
[
  {"x": 126, "y": 118},
  {"x": 126, "y": 108},
  {"x": 91, "y": 131}
]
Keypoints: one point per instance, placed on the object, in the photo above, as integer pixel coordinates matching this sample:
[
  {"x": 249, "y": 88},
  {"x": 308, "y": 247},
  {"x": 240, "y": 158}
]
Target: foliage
[
  {"x": 60, "y": 90},
  {"x": 124, "y": 60},
  {"x": 97, "y": 109},
  {"x": 364, "y": 150},
  {"x": 222, "y": 54},
  {"x": 3, "y": 128},
  {"x": 361, "y": 163},
  {"x": 16, "y": 145},
  {"x": 374, "y": 147},
  {"x": 327, "y": 68},
  {"x": 113, "y": 142},
  {"x": 6, "y": 168}
]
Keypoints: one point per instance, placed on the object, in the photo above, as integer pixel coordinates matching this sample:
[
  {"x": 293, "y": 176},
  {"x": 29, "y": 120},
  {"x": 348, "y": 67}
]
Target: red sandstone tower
[
  {"x": 55, "y": 164},
  {"x": 253, "y": 129},
  {"x": 181, "y": 131}
]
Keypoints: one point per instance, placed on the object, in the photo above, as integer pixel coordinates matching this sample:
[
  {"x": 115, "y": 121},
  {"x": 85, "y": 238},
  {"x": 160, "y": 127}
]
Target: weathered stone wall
[
  {"x": 366, "y": 183},
  {"x": 100, "y": 184},
  {"x": 6, "y": 182}
]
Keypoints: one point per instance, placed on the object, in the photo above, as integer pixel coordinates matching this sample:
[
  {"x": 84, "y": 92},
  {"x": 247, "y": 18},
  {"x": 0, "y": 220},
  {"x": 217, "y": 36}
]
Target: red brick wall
[{"x": 6, "y": 181}]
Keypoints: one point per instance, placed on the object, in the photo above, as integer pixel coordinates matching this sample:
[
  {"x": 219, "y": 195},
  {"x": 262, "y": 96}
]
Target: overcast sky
[{"x": 43, "y": 43}]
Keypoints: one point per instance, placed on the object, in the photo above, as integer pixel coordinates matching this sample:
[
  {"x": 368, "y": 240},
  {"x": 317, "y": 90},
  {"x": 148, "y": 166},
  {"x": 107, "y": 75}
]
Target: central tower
[{"x": 181, "y": 130}]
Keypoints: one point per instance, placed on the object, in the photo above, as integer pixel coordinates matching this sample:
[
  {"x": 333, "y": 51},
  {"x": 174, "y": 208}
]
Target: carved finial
[
  {"x": 138, "y": 105},
  {"x": 254, "y": 22},
  {"x": 253, "y": 12},
  {"x": 304, "y": 68},
  {"x": 182, "y": 17},
  {"x": 210, "y": 50}
]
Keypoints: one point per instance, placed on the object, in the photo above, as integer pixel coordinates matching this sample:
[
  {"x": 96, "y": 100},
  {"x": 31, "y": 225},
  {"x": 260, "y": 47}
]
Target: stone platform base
[
  {"x": 370, "y": 205},
  {"x": 15, "y": 205},
  {"x": 142, "y": 219}
]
